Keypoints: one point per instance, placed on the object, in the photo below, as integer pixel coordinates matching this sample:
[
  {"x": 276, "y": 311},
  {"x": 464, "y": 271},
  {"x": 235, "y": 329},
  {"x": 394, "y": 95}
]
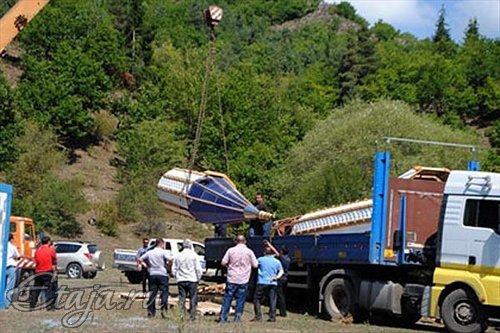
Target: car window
[
  {"x": 92, "y": 248},
  {"x": 180, "y": 247},
  {"x": 200, "y": 250},
  {"x": 13, "y": 227},
  {"x": 167, "y": 246},
  {"x": 67, "y": 248}
]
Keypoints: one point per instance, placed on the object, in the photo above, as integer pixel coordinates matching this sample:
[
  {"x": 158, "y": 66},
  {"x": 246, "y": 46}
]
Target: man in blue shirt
[{"x": 270, "y": 270}]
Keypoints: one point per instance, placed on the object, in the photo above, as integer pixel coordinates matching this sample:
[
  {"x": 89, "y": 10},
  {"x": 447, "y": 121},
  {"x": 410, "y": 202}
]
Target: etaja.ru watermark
[{"x": 77, "y": 304}]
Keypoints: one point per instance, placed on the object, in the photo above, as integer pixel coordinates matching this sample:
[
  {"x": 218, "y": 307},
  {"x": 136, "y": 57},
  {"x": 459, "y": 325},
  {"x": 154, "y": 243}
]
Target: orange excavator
[{"x": 17, "y": 18}]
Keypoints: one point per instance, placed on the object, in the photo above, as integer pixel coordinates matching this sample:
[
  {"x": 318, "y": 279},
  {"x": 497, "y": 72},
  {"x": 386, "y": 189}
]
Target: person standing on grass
[
  {"x": 239, "y": 261},
  {"x": 12, "y": 271},
  {"x": 157, "y": 261},
  {"x": 144, "y": 271},
  {"x": 270, "y": 271},
  {"x": 45, "y": 259},
  {"x": 283, "y": 280},
  {"x": 187, "y": 270}
]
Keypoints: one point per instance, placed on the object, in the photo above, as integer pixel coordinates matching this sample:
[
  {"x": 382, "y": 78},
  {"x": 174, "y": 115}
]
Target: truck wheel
[
  {"x": 339, "y": 298},
  {"x": 74, "y": 271},
  {"x": 461, "y": 313},
  {"x": 134, "y": 277},
  {"x": 89, "y": 275}
]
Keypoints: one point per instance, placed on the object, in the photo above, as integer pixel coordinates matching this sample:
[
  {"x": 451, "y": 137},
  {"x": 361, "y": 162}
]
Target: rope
[
  {"x": 224, "y": 143},
  {"x": 204, "y": 98}
]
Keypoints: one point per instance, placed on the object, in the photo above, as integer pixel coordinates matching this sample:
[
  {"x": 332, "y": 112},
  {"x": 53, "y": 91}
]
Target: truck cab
[
  {"x": 23, "y": 230},
  {"x": 466, "y": 282}
]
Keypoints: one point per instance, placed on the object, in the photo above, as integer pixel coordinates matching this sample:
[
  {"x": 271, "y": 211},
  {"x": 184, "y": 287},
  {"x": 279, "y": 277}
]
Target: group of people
[
  {"x": 45, "y": 281},
  {"x": 272, "y": 277},
  {"x": 185, "y": 267}
]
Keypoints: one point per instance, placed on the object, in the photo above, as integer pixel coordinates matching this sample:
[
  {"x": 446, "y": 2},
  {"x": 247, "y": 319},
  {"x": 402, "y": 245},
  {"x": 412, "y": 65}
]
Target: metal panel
[
  {"x": 380, "y": 190},
  {"x": 5, "y": 204}
]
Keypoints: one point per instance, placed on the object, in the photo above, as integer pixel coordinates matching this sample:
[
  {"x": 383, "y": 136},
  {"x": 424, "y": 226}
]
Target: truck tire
[
  {"x": 338, "y": 298},
  {"x": 134, "y": 277},
  {"x": 74, "y": 271},
  {"x": 89, "y": 275},
  {"x": 462, "y": 313}
]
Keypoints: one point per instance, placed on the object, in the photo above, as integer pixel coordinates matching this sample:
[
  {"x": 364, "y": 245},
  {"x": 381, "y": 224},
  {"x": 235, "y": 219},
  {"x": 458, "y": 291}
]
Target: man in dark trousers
[
  {"x": 256, "y": 226},
  {"x": 145, "y": 275},
  {"x": 187, "y": 271},
  {"x": 270, "y": 271},
  {"x": 45, "y": 259},
  {"x": 283, "y": 280},
  {"x": 157, "y": 261}
]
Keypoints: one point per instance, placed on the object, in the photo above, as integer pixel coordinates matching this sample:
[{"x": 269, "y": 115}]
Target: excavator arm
[{"x": 17, "y": 18}]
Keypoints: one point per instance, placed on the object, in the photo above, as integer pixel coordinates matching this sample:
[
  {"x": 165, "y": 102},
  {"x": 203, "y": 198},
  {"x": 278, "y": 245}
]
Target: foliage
[
  {"x": 8, "y": 125},
  {"x": 106, "y": 125},
  {"x": 52, "y": 202},
  {"x": 137, "y": 201},
  {"x": 334, "y": 163},
  {"x": 150, "y": 147},
  {"x": 107, "y": 218}
]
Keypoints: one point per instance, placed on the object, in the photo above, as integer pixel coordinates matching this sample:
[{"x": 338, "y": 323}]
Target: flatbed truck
[{"x": 433, "y": 251}]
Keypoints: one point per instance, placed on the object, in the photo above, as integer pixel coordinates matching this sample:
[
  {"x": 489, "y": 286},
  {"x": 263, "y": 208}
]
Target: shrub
[
  {"x": 107, "y": 217},
  {"x": 105, "y": 125}
]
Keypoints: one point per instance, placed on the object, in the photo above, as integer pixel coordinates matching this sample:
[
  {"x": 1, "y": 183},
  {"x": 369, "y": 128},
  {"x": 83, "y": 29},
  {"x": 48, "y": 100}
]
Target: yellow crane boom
[{"x": 17, "y": 18}]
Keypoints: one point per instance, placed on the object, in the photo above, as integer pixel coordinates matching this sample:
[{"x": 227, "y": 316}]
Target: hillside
[{"x": 98, "y": 99}]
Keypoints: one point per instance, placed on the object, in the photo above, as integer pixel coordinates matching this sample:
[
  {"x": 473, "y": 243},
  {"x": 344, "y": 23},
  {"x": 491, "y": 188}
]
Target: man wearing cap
[{"x": 187, "y": 270}]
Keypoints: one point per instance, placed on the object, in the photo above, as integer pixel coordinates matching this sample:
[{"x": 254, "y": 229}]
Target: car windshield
[{"x": 92, "y": 248}]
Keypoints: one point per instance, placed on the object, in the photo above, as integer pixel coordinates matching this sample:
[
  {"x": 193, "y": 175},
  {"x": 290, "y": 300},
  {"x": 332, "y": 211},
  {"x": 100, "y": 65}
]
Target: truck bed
[{"x": 341, "y": 248}]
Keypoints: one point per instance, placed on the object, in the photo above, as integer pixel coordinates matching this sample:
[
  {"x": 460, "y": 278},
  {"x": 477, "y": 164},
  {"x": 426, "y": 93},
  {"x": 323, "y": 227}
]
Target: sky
[{"x": 419, "y": 17}]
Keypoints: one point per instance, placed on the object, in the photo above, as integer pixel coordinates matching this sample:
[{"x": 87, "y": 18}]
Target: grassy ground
[{"x": 134, "y": 319}]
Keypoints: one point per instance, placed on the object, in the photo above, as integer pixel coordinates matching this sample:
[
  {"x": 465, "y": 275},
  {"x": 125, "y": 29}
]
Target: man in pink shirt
[{"x": 239, "y": 261}]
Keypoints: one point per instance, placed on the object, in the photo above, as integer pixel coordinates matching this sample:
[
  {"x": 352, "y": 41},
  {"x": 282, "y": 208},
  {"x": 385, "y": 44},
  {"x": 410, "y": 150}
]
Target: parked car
[
  {"x": 78, "y": 259},
  {"x": 126, "y": 260}
]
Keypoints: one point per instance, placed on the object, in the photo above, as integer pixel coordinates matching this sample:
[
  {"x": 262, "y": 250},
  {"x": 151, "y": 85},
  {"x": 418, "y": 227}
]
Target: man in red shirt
[{"x": 45, "y": 258}]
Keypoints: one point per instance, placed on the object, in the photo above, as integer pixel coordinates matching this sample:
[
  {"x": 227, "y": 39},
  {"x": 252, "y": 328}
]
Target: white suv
[{"x": 78, "y": 259}]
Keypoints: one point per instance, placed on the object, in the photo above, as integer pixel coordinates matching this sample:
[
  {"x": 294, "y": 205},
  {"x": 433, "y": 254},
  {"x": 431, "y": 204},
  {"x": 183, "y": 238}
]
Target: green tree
[
  {"x": 150, "y": 147},
  {"x": 442, "y": 40},
  {"x": 8, "y": 125}
]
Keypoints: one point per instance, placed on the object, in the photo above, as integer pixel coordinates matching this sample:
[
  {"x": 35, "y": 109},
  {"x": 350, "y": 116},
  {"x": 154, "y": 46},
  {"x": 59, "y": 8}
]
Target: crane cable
[{"x": 204, "y": 100}]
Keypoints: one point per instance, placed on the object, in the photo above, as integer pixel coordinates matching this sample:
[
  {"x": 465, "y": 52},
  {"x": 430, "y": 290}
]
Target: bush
[
  {"x": 150, "y": 147},
  {"x": 494, "y": 134},
  {"x": 54, "y": 206},
  {"x": 53, "y": 203},
  {"x": 137, "y": 201},
  {"x": 107, "y": 217},
  {"x": 105, "y": 125}
]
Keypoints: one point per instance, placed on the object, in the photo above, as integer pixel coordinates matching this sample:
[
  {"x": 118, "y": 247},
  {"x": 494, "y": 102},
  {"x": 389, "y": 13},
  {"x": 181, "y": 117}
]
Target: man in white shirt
[
  {"x": 157, "y": 261},
  {"x": 12, "y": 258},
  {"x": 187, "y": 271}
]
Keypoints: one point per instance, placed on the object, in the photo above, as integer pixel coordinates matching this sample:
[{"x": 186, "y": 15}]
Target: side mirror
[{"x": 397, "y": 240}]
